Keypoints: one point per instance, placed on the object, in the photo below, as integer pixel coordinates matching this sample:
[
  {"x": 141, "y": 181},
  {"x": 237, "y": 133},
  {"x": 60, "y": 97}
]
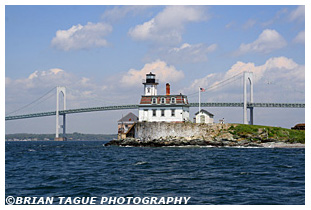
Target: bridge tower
[
  {"x": 248, "y": 76},
  {"x": 58, "y": 91}
]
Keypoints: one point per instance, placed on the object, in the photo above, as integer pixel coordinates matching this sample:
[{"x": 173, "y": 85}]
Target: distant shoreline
[{"x": 50, "y": 137}]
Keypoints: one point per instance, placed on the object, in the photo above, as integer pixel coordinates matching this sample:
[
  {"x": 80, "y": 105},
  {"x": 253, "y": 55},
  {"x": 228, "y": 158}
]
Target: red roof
[{"x": 179, "y": 100}]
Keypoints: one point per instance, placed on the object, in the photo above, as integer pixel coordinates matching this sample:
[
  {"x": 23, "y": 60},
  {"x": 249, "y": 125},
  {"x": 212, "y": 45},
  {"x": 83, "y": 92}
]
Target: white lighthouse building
[
  {"x": 161, "y": 108},
  {"x": 150, "y": 85}
]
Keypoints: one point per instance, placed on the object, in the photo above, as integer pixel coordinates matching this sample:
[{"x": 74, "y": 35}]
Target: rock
[
  {"x": 215, "y": 135},
  {"x": 226, "y": 136},
  {"x": 268, "y": 140},
  {"x": 242, "y": 142}
]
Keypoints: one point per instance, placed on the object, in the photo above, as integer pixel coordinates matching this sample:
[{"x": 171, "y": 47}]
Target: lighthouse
[
  {"x": 161, "y": 108},
  {"x": 150, "y": 85}
]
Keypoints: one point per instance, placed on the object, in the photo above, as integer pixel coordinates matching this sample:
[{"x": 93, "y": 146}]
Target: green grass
[
  {"x": 282, "y": 134},
  {"x": 244, "y": 129},
  {"x": 297, "y": 136}
]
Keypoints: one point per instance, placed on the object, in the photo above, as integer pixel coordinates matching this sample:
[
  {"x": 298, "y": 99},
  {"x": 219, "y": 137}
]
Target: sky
[{"x": 102, "y": 53}]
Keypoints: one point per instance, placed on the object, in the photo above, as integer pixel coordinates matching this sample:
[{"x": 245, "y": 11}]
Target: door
[{"x": 202, "y": 119}]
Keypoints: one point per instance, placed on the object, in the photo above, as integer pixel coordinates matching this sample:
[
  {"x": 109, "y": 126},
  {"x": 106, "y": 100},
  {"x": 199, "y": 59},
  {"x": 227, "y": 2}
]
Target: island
[{"x": 216, "y": 135}]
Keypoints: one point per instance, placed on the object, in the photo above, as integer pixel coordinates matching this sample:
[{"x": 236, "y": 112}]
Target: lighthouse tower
[
  {"x": 150, "y": 85},
  {"x": 161, "y": 108}
]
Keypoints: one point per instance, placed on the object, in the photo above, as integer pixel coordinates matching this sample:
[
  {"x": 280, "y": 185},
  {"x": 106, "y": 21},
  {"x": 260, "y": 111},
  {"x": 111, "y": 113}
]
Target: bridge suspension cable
[
  {"x": 94, "y": 99},
  {"x": 33, "y": 102},
  {"x": 222, "y": 83},
  {"x": 225, "y": 82}
]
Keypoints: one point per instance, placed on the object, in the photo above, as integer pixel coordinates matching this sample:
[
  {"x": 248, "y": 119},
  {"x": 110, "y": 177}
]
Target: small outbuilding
[
  {"x": 204, "y": 116},
  {"x": 126, "y": 126}
]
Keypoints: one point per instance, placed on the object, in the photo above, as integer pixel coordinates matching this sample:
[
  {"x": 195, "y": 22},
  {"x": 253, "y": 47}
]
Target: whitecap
[{"x": 141, "y": 163}]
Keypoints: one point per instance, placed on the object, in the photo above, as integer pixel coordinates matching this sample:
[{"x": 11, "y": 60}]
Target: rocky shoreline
[
  {"x": 215, "y": 135},
  {"x": 180, "y": 142}
]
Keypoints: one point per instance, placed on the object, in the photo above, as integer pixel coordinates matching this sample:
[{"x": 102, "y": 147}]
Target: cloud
[
  {"x": 81, "y": 91},
  {"x": 298, "y": 14},
  {"x": 277, "y": 16},
  {"x": 163, "y": 72},
  {"x": 275, "y": 64},
  {"x": 250, "y": 23},
  {"x": 25, "y": 90},
  {"x": 230, "y": 24},
  {"x": 119, "y": 12},
  {"x": 268, "y": 41},
  {"x": 300, "y": 38},
  {"x": 78, "y": 37},
  {"x": 202, "y": 82},
  {"x": 168, "y": 25},
  {"x": 36, "y": 93},
  {"x": 278, "y": 79},
  {"x": 42, "y": 79},
  {"x": 53, "y": 72},
  {"x": 188, "y": 53}
]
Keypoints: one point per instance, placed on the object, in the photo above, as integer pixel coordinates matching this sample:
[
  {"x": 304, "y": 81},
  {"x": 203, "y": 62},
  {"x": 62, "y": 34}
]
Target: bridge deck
[{"x": 107, "y": 108}]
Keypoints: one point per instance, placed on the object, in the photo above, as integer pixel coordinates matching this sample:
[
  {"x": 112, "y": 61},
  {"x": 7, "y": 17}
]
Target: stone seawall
[
  {"x": 157, "y": 130},
  {"x": 159, "y": 134}
]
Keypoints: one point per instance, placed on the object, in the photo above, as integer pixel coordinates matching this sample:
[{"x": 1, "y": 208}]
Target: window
[
  {"x": 154, "y": 112},
  {"x": 148, "y": 89},
  {"x": 173, "y": 112},
  {"x": 173, "y": 100},
  {"x": 162, "y": 100},
  {"x": 154, "y": 100},
  {"x": 162, "y": 112}
]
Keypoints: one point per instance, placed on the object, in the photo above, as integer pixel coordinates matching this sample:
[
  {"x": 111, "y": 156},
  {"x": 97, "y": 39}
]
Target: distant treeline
[{"x": 70, "y": 136}]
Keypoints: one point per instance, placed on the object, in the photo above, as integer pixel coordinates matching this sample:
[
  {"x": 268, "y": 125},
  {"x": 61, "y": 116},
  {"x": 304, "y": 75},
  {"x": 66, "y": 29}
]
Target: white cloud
[
  {"x": 24, "y": 90},
  {"x": 39, "y": 87},
  {"x": 81, "y": 91},
  {"x": 230, "y": 24},
  {"x": 182, "y": 47},
  {"x": 164, "y": 72},
  {"x": 52, "y": 72},
  {"x": 275, "y": 64},
  {"x": 195, "y": 49},
  {"x": 119, "y": 12},
  {"x": 278, "y": 79},
  {"x": 300, "y": 38},
  {"x": 268, "y": 41},
  {"x": 277, "y": 16},
  {"x": 250, "y": 23},
  {"x": 82, "y": 37},
  {"x": 168, "y": 25},
  {"x": 188, "y": 53},
  {"x": 298, "y": 14},
  {"x": 202, "y": 82},
  {"x": 42, "y": 79}
]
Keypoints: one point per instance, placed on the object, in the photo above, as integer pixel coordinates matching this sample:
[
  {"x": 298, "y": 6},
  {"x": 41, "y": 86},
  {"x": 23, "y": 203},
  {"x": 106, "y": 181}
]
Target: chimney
[{"x": 168, "y": 89}]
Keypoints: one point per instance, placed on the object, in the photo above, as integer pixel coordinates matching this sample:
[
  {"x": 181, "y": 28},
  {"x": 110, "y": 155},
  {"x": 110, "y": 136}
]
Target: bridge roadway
[{"x": 108, "y": 108}]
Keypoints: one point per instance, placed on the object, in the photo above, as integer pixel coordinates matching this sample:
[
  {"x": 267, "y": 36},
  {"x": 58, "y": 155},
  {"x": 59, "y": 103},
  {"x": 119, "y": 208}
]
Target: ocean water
[{"x": 208, "y": 175}]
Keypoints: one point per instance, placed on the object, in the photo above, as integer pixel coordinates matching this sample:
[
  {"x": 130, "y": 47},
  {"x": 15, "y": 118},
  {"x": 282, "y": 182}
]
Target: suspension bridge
[
  {"x": 246, "y": 104},
  {"x": 135, "y": 106}
]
